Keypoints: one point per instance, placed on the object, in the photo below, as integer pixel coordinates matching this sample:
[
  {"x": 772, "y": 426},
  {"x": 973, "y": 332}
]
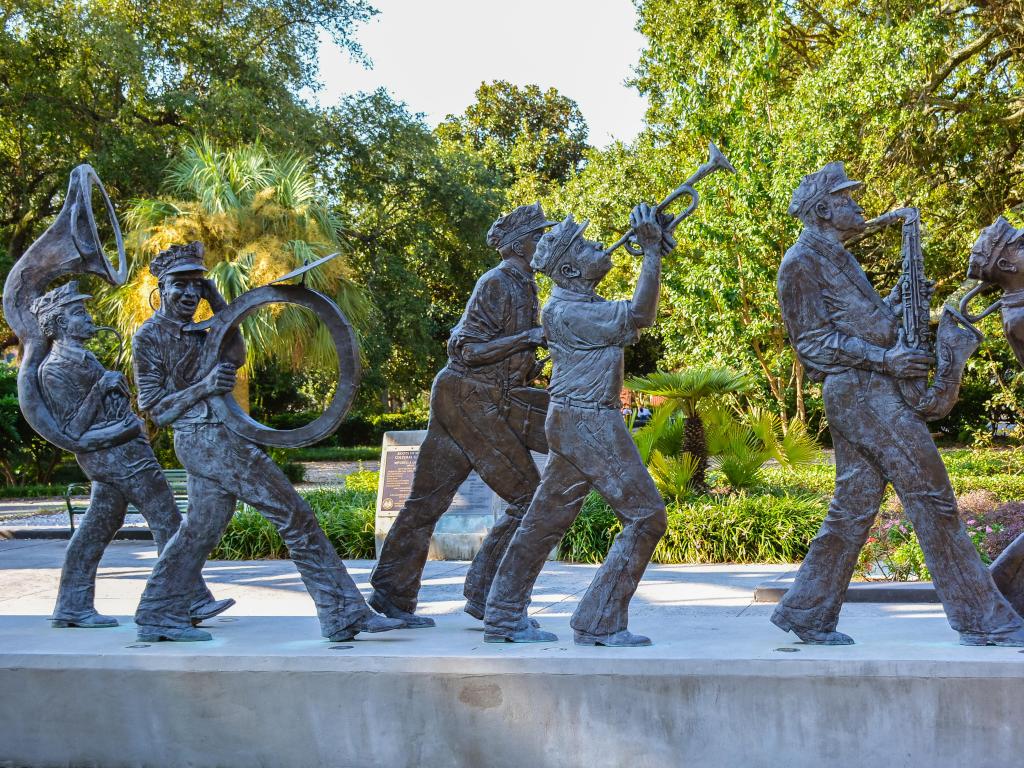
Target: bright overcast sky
[{"x": 433, "y": 54}]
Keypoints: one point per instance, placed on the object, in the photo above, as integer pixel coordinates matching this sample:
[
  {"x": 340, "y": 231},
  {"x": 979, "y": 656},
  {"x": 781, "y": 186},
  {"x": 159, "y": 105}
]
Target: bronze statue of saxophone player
[{"x": 858, "y": 345}]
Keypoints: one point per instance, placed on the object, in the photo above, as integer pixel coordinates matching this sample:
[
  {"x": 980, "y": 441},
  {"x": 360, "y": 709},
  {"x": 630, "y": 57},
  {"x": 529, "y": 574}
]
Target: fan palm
[
  {"x": 258, "y": 215},
  {"x": 684, "y": 390}
]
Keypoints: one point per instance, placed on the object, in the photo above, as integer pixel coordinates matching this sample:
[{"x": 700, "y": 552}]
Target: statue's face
[
  {"x": 180, "y": 295},
  {"x": 78, "y": 323},
  {"x": 530, "y": 244},
  {"x": 846, "y": 214},
  {"x": 1005, "y": 270},
  {"x": 591, "y": 260}
]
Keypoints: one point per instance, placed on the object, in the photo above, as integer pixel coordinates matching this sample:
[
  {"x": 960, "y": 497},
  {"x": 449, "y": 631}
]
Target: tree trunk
[{"x": 695, "y": 444}]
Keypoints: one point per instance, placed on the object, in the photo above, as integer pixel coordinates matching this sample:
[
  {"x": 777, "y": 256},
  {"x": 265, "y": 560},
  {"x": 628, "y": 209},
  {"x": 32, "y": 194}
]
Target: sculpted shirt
[
  {"x": 166, "y": 360},
  {"x": 835, "y": 318},
  {"x": 586, "y": 336},
  {"x": 503, "y": 303},
  {"x": 66, "y": 377}
]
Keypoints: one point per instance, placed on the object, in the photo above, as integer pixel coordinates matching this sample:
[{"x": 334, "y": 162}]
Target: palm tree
[
  {"x": 258, "y": 215},
  {"x": 684, "y": 390}
]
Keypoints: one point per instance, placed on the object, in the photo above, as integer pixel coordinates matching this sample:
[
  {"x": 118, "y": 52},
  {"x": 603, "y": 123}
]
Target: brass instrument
[
  {"x": 69, "y": 246},
  {"x": 954, "y": 342},
  {"x": 716, "y": 162},
  {"x": 342, "y": 335}
]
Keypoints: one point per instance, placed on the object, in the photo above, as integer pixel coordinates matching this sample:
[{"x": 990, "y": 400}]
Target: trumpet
[{"x": 716, "y": 162}]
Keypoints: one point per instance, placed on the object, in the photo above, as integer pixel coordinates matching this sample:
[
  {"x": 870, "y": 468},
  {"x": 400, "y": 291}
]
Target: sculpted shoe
[
  {"x": 372, "y": 624},
  {"x": 207, "y": 609},
  {"x": 384, "y": 606},
  {"x": 150, "y": 634},
  {"x": 92, "y": 621},
  {"x": 621, "y": 639},
  {"x": 1013, "y": 638},
  {"x": 525, "y": 632},
  {"x": 811, "y": 636},
  {"x": 477, "y": 612}
]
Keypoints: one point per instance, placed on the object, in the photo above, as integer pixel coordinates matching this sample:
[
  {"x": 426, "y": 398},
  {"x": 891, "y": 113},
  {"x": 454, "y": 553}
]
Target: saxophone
[{"x": 956, "y": 338}]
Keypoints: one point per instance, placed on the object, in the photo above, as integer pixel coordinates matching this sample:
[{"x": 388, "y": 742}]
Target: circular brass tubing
[{"x": 342, "y": 334}]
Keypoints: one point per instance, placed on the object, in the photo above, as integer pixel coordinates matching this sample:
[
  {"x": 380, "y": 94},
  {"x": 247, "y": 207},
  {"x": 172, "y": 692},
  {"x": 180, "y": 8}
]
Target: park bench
[{"x": 176, "y": 478}]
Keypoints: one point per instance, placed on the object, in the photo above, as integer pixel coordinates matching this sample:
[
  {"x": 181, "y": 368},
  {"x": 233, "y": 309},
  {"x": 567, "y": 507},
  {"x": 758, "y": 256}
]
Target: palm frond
[
  {"x": 673, "y": 475},
  {"x": 648, "y": 435},
  {"x": 690, "y": 385}
]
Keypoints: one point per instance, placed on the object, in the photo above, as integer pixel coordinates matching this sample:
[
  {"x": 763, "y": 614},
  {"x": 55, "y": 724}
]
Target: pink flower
[{"x": 988, "y": 529}]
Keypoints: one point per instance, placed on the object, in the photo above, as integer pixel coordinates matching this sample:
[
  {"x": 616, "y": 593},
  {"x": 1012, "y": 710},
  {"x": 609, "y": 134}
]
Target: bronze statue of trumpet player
[
  {"x": 859, "y": 346},
  {"x": 589, "y": 445}
]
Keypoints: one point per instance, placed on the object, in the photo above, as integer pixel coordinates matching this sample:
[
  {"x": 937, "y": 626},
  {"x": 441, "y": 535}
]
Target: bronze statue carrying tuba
[
  {"x": 69, "y": 246},
  {"x": 956, "y": 339}
]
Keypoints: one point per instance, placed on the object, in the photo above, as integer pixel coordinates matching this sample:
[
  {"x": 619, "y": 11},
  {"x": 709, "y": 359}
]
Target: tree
[
  {"x": 535, "y": 138},
  {"x": 684, "y": 390},
  {"x": 922, "y": 100},
  {"x": 259, "y": 215},
  {"x": 120, "y": 84},
  {"x": 418, "y": 212}
]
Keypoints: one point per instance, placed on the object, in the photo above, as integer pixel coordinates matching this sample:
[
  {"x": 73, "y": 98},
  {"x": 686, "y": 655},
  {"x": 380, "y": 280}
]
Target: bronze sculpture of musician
[{"x": 856, "y": 343}]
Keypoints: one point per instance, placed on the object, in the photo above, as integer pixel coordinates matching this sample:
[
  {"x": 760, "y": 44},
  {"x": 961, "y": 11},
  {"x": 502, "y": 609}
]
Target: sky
[{"x": 433, "y": 54}]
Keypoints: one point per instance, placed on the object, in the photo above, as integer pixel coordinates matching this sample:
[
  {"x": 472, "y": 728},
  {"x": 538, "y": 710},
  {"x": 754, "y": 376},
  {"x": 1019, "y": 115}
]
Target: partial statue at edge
[{"x": 857, "y": 344}]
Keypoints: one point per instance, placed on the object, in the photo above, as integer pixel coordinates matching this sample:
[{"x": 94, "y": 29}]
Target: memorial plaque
[{"x": 462, "y": 528}]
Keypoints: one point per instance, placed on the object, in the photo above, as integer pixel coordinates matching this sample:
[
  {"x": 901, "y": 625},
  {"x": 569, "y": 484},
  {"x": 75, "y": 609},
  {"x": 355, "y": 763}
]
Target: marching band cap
[
  {"x": 554, "y": 246},
  {"x": 991, "y": 243},
  {"x": 178, "y": 258},
  {"x": 829, "y": 180},
  {"x": 51, "y": 302},
  {"x": 522, "y": 221}
]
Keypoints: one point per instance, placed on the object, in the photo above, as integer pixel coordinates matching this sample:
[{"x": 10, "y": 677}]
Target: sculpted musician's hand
[
  {"x": 906, "y": 362},
  {"x": 535, "y": 337},
  {"x": 114, "y": 381},
  {"x": 212, "y": 295},
  {"x": 651, "y": 229},
  {"x": 220, "y": 380}
]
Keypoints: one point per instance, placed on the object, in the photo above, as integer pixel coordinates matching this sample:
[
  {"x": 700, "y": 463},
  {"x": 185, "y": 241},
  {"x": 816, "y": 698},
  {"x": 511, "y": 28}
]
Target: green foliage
[
  {"x": 685, "y": 389},
  {"x": 333, "y": 453},
  {"x": 120, "y": 84},
  {"x": 674, "y": 475},
  {"x": 347, "y": 518},
  {"x": 418, "y": 210},
  {"x": 732, "y": 529},
  {"x": 25, "y": 458},
  {"x": 536, "y": 139},
  {"x": 37, "y": 491},
  {"x": 590, "y": 535}
]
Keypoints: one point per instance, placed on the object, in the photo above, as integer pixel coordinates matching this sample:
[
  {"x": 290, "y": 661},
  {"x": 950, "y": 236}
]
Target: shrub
[
  {"x": 336, "y": 453},
  {"x": 347, "y": 518},
  {"x": 741, "y": 528}
]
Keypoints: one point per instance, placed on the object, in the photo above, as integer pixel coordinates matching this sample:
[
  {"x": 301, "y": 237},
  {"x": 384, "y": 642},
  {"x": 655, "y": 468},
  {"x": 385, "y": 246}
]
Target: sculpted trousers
[
  {"x": 1008, "y": 574},
  {"x": 467, "y": 430},
  {"x": 878, "y": 439},
  {"x": 222, "y": 468},
  {"x": 590, "y": 448},
  {"x": 148, "y": 491}
]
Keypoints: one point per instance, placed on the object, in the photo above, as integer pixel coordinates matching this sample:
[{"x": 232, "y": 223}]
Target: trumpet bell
[{"x": 718, "y": 160}]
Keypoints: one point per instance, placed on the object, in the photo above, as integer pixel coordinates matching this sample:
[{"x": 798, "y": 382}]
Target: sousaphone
[{"x": 70, "y": 246}]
